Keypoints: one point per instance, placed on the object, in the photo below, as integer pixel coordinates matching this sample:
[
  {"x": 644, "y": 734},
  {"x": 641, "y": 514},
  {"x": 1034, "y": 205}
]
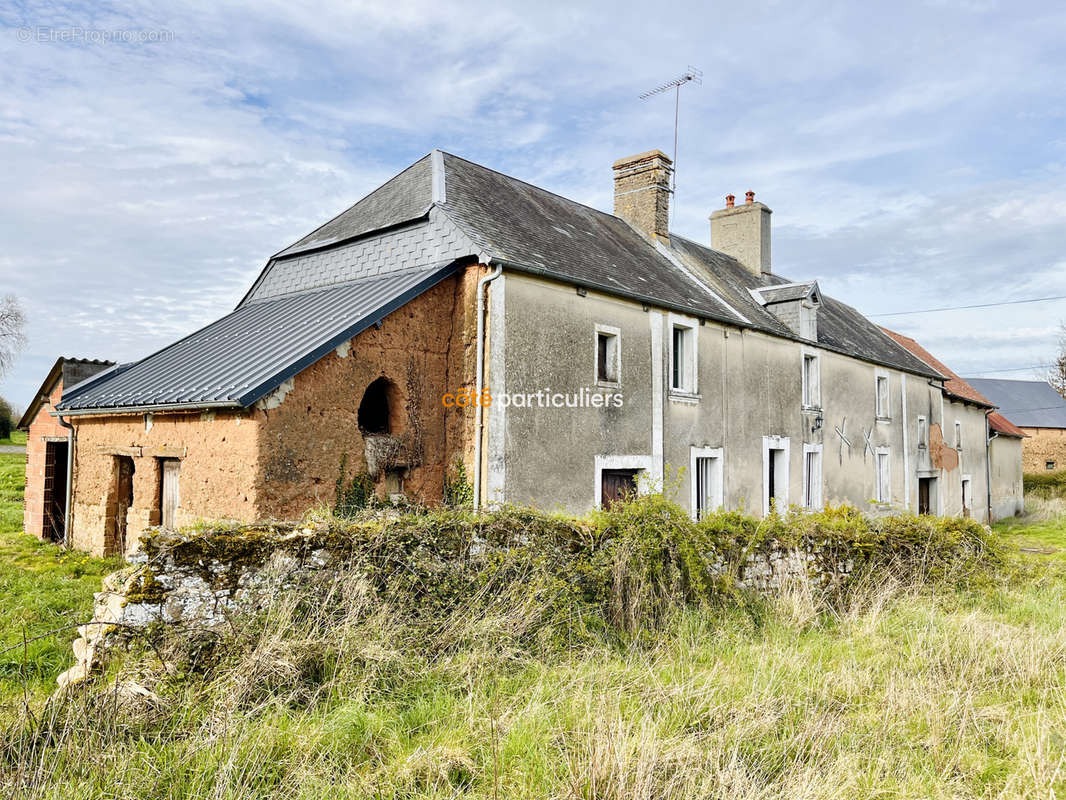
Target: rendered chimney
[
  {"x": 642, "y": 192},
  {"x": 743, "y": 232}
]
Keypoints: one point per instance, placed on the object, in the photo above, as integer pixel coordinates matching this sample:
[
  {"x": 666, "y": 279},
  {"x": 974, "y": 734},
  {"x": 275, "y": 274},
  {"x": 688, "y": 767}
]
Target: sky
[{"x": 914, "y": 154}]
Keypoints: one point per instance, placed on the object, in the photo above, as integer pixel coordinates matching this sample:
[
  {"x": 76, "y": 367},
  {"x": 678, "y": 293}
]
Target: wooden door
[
  {"x": 124, "y": 499},
  {"x": 923, "y": 495},
  {"x": 616, "y": 485},
  {"x": 171, "y": 497}
]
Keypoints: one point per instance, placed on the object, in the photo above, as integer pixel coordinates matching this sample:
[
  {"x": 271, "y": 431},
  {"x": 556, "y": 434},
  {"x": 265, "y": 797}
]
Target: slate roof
[
  {"x": 531, "y": 229},
  {"x": 501, "y": 219},
  {"x": 253, "y": 350},
  {"x": 786, "y": 293},
  {"x": 401, "y": 199},
  {"x": 1028, "y": 404},
  {"x": 954, "y": 386},
  {"x": 72, "y": 371}
]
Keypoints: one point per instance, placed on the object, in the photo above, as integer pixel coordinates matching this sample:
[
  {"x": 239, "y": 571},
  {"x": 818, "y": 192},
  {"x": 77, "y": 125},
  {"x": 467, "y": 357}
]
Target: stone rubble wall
[{"x": 205, "y": 593}]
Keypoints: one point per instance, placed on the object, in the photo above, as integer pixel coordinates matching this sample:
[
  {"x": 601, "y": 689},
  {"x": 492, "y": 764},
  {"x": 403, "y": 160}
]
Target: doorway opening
[
  {"x": 926, "y": 495},
  {"x": 55, "y": 490},
  {"x": 123, "y": 499}
]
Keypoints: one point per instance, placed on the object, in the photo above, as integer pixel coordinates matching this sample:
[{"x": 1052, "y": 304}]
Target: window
[
  {"x": 958, "y": 435},
  {"x": 967, "y": 496},
  {"x": 706, "y": 480},
  {"x": 607, "y": 354},
  {"x": 923, "y": 433},
  {"x": 882, "y": 397},
  {"x": 812, "y": 476},
  {"x": 884, "y": 486},
  {"x": 1049, "y": 465},
  {"x": 681, "y": 345},
  {"x": 683, "y": 355},
  {"x": 812, "y": 391},
  {"x": 775, "y": 473}
]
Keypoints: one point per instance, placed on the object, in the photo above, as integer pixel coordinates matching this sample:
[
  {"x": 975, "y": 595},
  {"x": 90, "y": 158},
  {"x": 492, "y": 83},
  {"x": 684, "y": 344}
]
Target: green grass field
[
  {"x": 906, "y": 692},
  {"x": 16, "y": 438},
  {"x": 42, "y": 588}
]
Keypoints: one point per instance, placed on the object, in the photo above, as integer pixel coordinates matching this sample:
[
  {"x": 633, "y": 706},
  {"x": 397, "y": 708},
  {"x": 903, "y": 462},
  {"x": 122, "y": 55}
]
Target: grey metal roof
[
  {"x": 253, "y": 350},
  {"x": 1028, "y": 404}
]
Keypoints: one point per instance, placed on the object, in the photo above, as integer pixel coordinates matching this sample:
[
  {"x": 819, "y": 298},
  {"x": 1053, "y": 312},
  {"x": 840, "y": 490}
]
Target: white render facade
[{"x": 758, "y": 418}]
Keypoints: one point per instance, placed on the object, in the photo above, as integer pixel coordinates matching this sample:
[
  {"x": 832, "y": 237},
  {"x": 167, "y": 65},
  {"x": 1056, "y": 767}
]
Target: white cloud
[{"x": 911, "y": 152}]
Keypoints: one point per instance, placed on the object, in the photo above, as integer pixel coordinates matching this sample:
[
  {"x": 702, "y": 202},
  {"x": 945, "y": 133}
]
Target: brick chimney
[
  {"x": 642, "y": 192},
  {"x": 743, "y": 232}
]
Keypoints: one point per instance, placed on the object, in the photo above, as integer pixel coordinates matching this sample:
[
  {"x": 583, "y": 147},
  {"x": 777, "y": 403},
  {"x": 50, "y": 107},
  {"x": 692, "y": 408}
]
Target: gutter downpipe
[
  {"x": 989, "y": 438},
  {"x": 479, "y": 414},
  {"x": 71, "y": 439}
]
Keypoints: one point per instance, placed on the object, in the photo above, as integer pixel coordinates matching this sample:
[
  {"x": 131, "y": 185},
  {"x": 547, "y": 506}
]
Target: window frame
[
  {"x": 718, "y": 498},
  {"x": 923, "y": 432},
  {"x": 772, "y": 444},
  {"x": 810, "y": 400},
  {"x": 883, "y": 455},
  {"x": 616, "y": 334},
  {"x": 958, "y": 435},
  {"x": 690, "y": 363},
  {"x": 882, "y": 413},
  {"x": 812, "y": 495},
  {"x": 642, "y": 464}
]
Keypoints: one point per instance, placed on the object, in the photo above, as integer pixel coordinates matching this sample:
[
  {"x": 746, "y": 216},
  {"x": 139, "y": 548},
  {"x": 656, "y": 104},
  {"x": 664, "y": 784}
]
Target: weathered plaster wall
[
  {"x": 749, "y": 387},
  {"x": 1042, "y": 446},
  {"x": 421, "y": 348},
  {"x": 1006, "y": 469},
  {"x": 43, "y": 429},
  {"x": 284, "y": 456},
  {"x": 219, "y": 454}
]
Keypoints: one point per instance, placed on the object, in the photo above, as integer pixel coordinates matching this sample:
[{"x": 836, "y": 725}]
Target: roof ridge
[
  {"x": 569, "y": 200},
  {"x": 348, "y": 208}
]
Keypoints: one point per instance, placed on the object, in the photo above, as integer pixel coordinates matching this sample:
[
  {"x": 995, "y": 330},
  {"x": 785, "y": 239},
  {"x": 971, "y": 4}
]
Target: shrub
[
  {"x": 353, "y": 494},
  {"x": 1046, "y": 485},
  {"x": 7, "y": 420}
]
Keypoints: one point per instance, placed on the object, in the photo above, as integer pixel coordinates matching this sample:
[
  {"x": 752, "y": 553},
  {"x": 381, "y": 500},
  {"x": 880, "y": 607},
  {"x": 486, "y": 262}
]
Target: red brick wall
[{"x": 43, "y": 427}]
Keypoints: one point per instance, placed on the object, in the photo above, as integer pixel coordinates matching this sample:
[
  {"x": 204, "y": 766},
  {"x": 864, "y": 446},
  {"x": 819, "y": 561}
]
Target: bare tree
[
  {"x": 1057, "y": 373},
  {"x": 12, "y": 331}
]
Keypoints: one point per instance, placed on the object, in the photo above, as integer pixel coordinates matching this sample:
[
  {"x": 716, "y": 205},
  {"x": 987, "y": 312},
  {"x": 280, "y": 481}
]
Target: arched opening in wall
[{"x": 379, "y": 407}]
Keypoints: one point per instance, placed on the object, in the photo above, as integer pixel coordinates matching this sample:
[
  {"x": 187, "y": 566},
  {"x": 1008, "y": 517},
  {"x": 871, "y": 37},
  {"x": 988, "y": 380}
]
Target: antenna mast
[{"x": 690, "y": 75}]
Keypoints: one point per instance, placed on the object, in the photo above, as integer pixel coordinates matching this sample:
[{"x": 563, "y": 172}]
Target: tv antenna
[{"x": 690, "y": 75}]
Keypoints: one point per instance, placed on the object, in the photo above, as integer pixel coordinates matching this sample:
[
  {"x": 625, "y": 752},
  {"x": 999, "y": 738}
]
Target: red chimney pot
[
  {"x": 729, "y": 200},
  {"x": 749, "y": 197}
]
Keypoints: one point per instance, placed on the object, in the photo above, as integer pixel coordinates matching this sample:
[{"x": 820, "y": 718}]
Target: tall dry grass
[{"x": 890, "y": 691}]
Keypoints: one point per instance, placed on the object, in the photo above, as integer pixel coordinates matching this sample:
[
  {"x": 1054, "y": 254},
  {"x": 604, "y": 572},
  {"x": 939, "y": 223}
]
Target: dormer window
[{"x": 794, "y": 304}]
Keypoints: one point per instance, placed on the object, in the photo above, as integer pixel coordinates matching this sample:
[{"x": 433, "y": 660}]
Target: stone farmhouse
[
  {"x": 973, "y": 416},
  {"x": 618, "y": 356},
  {"x": 1040, "y": 411}
]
